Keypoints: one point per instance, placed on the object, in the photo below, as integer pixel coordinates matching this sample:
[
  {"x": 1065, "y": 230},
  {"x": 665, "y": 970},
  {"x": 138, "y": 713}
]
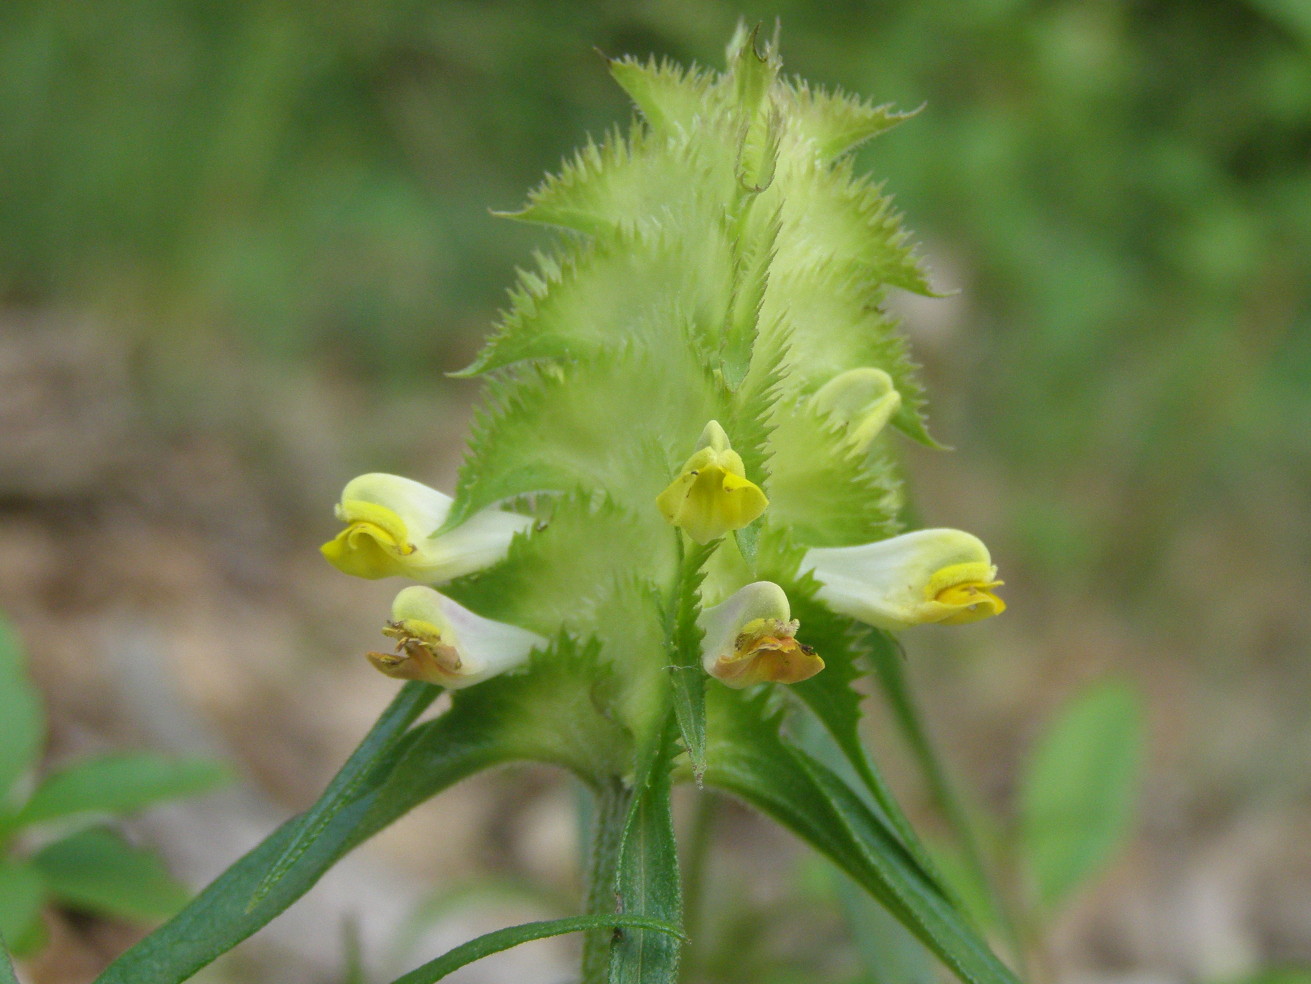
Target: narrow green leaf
[
  {"x": 23, "y": 717},
  {"x": 429, "y": 758},
  {"x": 887, "y": 951},
  {"x": 407, "y": 705},
  {"x": 648, "y": 886},
  {"x": 22, "y": 894},
  {"x": 688, "y": 675},
  {"x": 887, "y": 657},
  {"x": 511, "y": 936},
  {"x": 98, "y": 871},
  {"x": 1078, "y": 791},
  {"x": 119, "y": 784},
  {"x": 748, "y": 759}
]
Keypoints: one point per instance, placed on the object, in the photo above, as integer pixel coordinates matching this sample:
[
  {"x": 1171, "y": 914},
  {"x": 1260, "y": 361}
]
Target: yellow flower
[
  {"x": 390, "y": 522},
  {"x": 751, "y": 638},
  {"x": 712, "y": 495},
  {"x": 943, "y": 576},
  {"x": 861, "y": 402},
  {"x": 442, "y": 642}
]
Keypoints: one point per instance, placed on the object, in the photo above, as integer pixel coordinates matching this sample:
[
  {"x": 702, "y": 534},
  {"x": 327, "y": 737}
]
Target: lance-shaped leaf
[
  {"x": 748, "y": 758},
  {"x": 647, "y": 885},
  {"x": 512, "y": 936},
  {"x": 1078, "y": 790}
]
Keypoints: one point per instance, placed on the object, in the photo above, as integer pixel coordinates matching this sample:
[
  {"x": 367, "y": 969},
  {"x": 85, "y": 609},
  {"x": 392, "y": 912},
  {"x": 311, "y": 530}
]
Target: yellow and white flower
[
  {"x": 712, "y": 495},
  {"x": 751, "y": 638},
  {"x": 939, "y": 575},
  {"x": 390, "y": 526},
  {"x": 440, "y": 641}
]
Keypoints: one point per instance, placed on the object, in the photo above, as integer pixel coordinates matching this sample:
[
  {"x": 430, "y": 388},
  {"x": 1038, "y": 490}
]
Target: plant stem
[
  {"x": 612, "y": 801},
  {"x": 699, "y": 840},
  {"x": 891, "y": 673}
]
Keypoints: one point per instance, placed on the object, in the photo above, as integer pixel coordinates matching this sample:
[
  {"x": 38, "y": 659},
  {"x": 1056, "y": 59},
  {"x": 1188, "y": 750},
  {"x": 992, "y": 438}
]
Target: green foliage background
[{"x": 1120, "y": 192}]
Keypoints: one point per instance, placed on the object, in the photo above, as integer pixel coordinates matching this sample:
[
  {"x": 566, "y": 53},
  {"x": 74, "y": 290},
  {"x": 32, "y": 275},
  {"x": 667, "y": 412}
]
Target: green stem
[
  {"x": 949, "y": 803},
  {"x": 699, "y": 840},
  {"x": 612, "y": 801}
]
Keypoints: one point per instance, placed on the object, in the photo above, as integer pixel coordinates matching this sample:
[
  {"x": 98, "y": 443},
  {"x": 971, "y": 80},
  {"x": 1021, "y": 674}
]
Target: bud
[
  {"x": 712, "y": 495},
  {"x": 860, "y": 402}
]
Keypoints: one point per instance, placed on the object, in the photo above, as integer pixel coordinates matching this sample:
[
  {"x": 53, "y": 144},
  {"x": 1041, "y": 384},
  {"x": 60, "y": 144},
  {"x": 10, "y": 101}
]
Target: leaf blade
[
  {"x": 407, "y": 705},
  {"x": 98, "y": 871},
  {"x": 20, "y": 710},
  {"x": 431, "y": 757},
  {"x": 1077, "y": 794},
  {"x": 119, "y": 783},
  {"x": 648, "y": 885},
  {"x": 751, "y": 761}
]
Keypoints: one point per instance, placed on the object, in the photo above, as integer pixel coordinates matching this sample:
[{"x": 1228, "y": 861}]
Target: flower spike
[
  {"x": 390, "y": 522},
  {"x": 943, "y": 576},
  {"x": 712, "y": 495},
  {"x": 751, "y": 638},
  {"x": 439, "y": 641}
]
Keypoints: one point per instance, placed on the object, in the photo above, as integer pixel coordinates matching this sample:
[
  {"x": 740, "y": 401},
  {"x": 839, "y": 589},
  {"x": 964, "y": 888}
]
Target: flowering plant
[{"x": 677, "y": 527}]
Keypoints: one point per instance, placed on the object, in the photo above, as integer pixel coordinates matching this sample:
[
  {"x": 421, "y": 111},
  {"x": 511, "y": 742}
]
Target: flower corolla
[
  {"x": 937, "y": 575},
  {"x": 712, "y": 495},
  {"x": 391, "y": 530},
  {"x": 750, "y": 638},
  {"x": 440, "y": 641}
]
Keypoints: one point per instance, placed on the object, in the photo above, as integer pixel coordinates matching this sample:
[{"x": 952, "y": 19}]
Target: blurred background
[{"x": 241, "y": 242}]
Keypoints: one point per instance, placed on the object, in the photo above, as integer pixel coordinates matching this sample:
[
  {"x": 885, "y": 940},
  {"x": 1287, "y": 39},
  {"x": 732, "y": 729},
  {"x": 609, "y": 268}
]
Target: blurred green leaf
[
  {"x": 7, "y": 975},
  {"x": 120, "y": 783},
  {"x": 887, "y": 951},
  {"x": 23, "y": 719},
  {"x": 504, "y": 939},
  {"x": 1077, "y": 794},
  {"x": 1273, "y": 975},
  {"x": 99, "y": 871},
  {"x": 22, "y": 893}
]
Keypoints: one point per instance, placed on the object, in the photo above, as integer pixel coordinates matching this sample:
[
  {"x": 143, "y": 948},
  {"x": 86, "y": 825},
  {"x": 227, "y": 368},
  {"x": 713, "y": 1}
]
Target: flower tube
[
  {"x": 442, "y": 642},
  {"x": 390, "y": 525},
  {"x": 943, "y": 576}
]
